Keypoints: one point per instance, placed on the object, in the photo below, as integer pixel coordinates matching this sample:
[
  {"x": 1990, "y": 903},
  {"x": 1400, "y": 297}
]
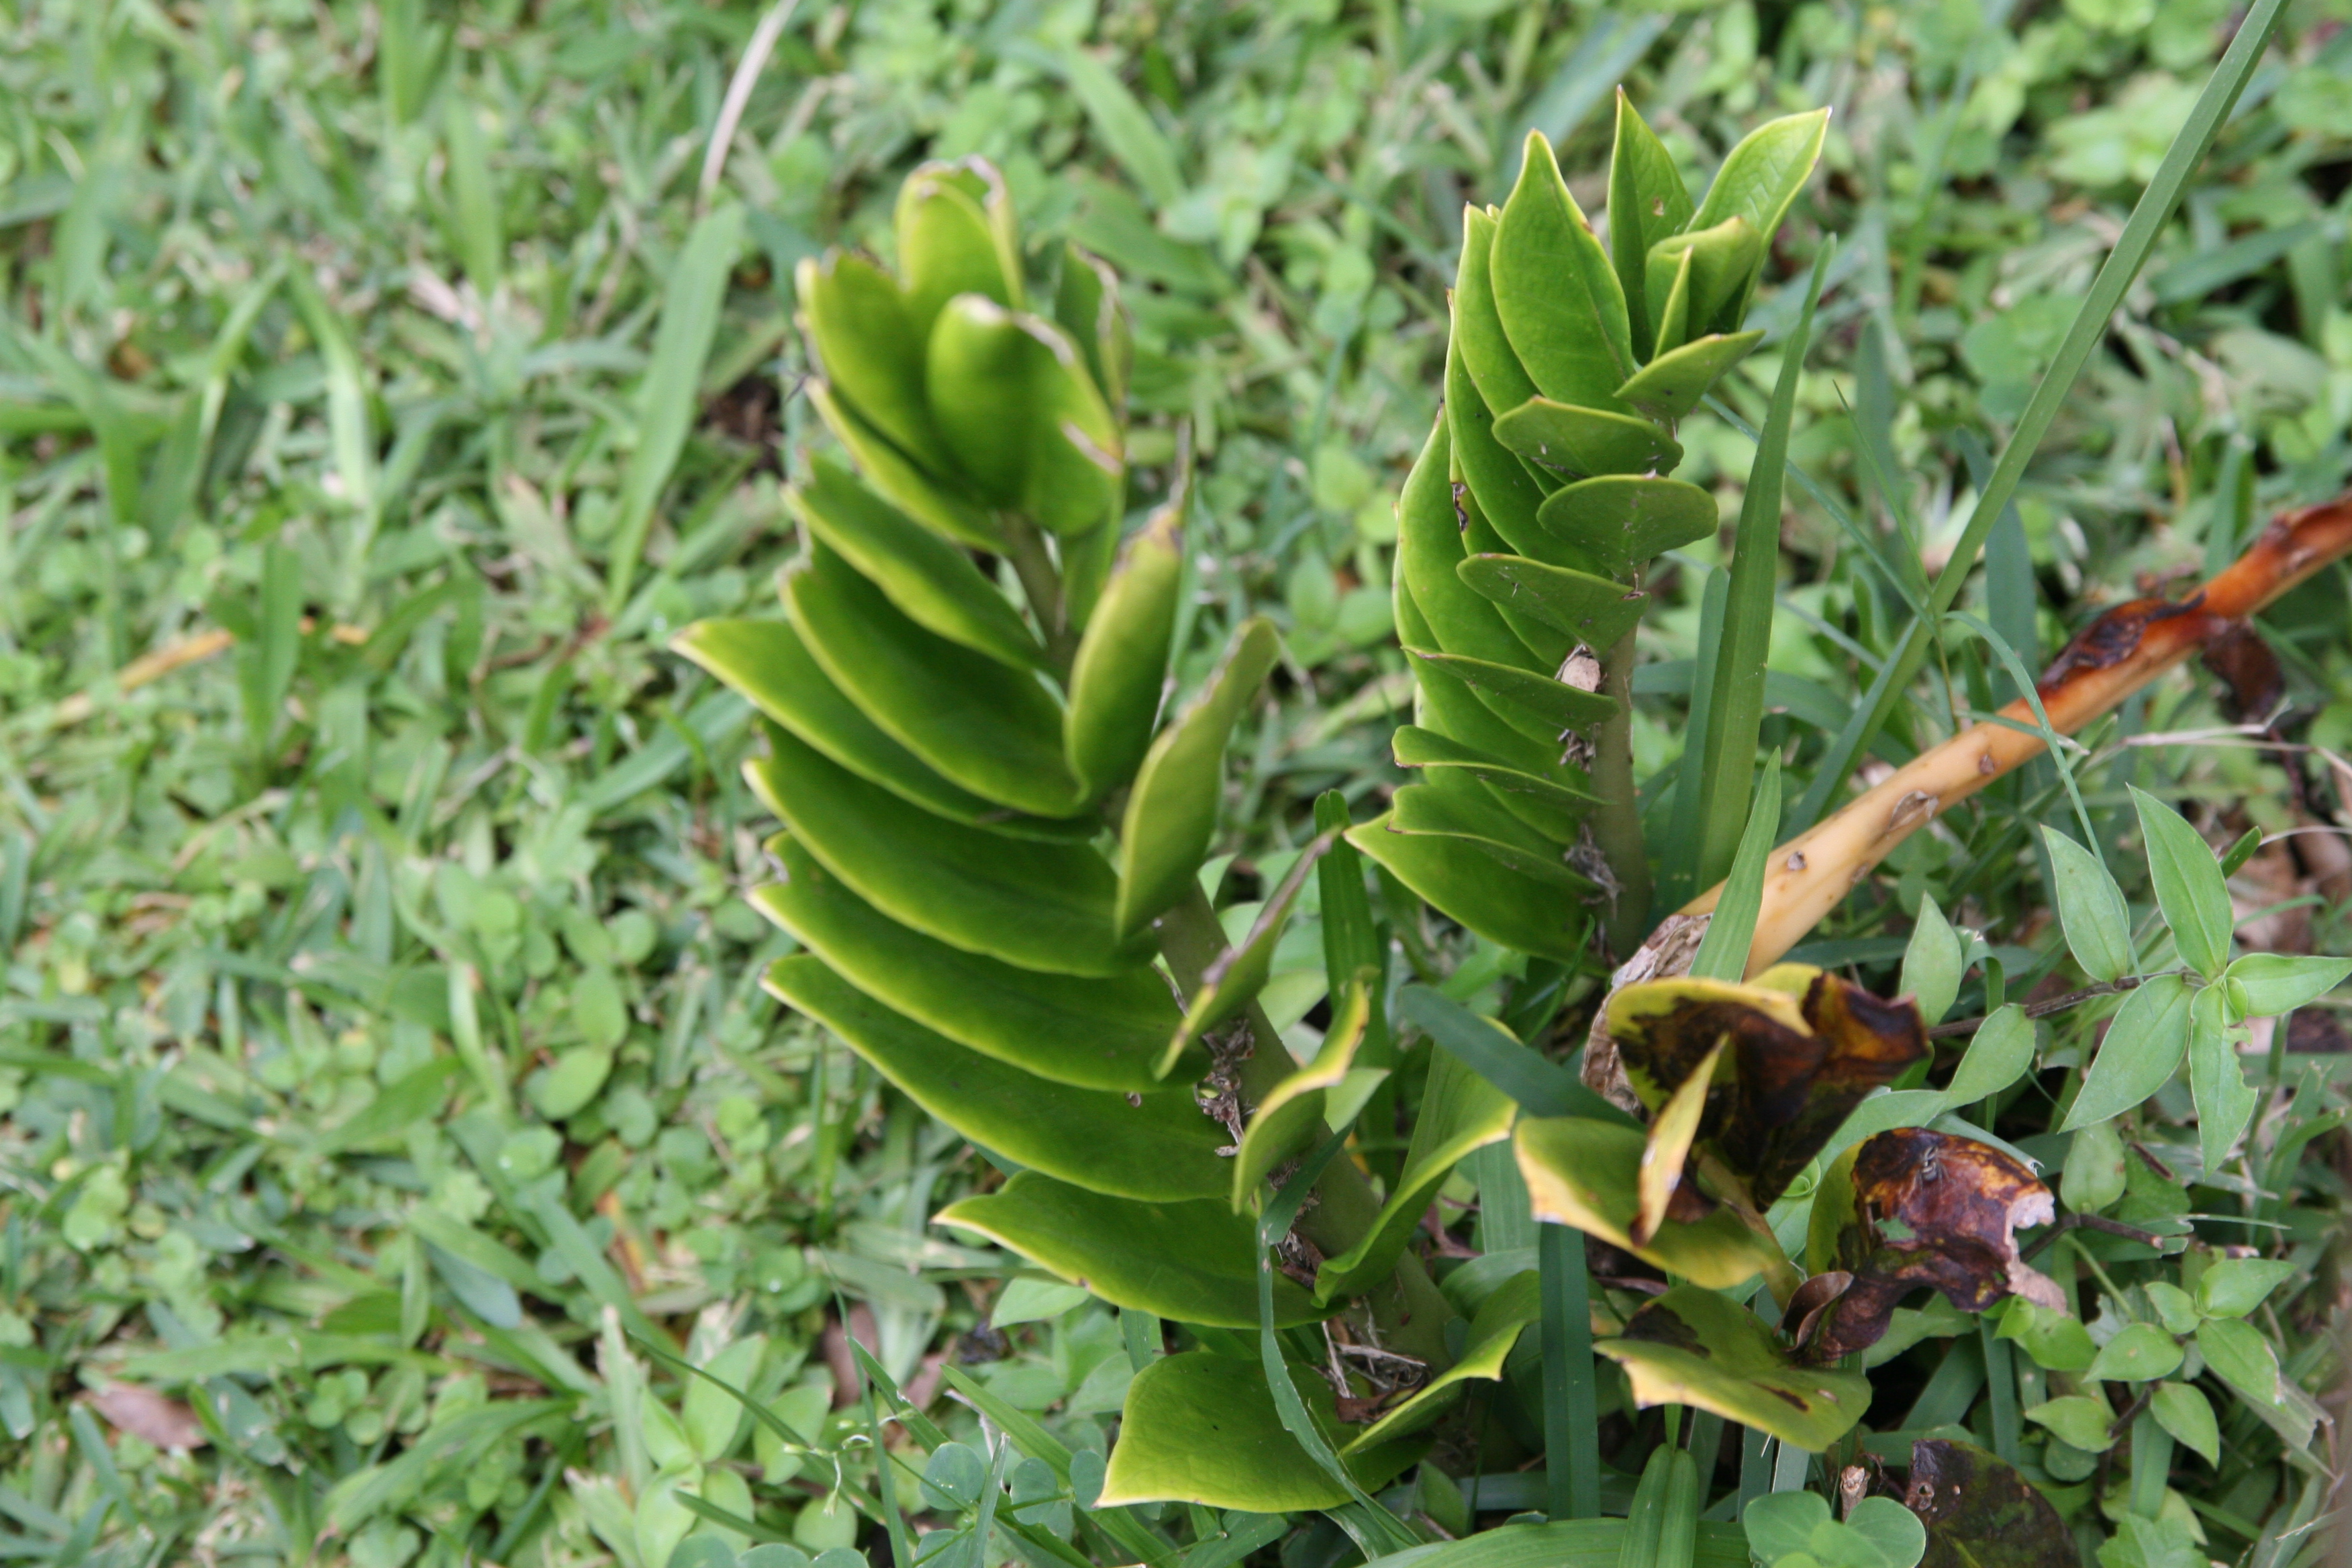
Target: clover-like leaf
[
  {"x": 2140, "y": 1352},
  {"x": 1914, "y": 1207},
  {"x": 1982, "y": 1513},
  {"x": 2182, "y": 1409},
  {"x": 2078, "y": 1421},
  {"x": 2233, "y": 1286},
  {"x": 1806, "y": 1046}
]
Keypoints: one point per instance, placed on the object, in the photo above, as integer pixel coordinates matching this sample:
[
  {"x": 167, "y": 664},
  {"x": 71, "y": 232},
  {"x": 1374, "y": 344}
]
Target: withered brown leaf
[
  {"x": 1918, "y": 1207},
  {"x": 143, "y": 1412},
  {"x": 1806, "y": 1047}
]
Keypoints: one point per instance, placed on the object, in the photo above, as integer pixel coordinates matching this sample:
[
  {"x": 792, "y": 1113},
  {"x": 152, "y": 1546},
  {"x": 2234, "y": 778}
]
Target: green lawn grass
[{"x": 381, "y": 1046}]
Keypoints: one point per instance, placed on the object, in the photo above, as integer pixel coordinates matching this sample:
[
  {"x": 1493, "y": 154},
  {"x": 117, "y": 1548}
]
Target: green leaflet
[
  {"x": 1535, "y": 704},
  {"x": 1584, "y": 441},
  {"x": 1292, "y": 1111},
  {"x": 1759, "y": 180},
  {"x": 865, "y": 337},
  {"x": 1502, "y": 381},
  {"x": 2270, "y": 983},
  {"x": 1670, "y": 385},
  {"x": 1586, "y": 1173},
  {"x": 995, "y": 732},
  {"x": 2144, "y": 1045},
  {"x": 1723, "y": 259},
  {"x": 1506, "y": 493},
  {"x": 1037, "y": 905},
  {"x": 1625, "y": 521},
  {"x": 1647, "y": 201},
  {"x": 1203, "y": 1428},
  {"x": 1015, "y": 407},
  {"x": 1102, "y": 1033},
  {"x": 2190, "y": 885},
  {"x": 768, "y": 663},
  {"x": 1547, "y": 646},
  {"x": 1593, "y": 610},
  {"x": 1192, "y": 1262},
  {"x": 1693, "y": 1346},
  {"x": 954, "y": 229},
  {"x": 1159, "y": 1151},
  {"x": 1236, "y": 975},
  {"x": 908, "y": 487},
  {"x": 1492, "y": 1331},
  {"x": 1172, "y": 813},
  {"x": 2181, "y": 1409},
  {"x": 1544, "y": 802},
  {"x": 2001, "y": 1053},
  {"x": 1933, "y": 961},
  {"x": 1461, "y": 811},
  {"x": 1460, "y": 1111},
  {"x": 1555, "y": 291},
  {"x": 2217, "y": 1079},
  {"x": 1500, "y": 905},
  {"x": 1122, "y": 661},
  {"x": 1670, "y": 314},
  {"x": 1429, "y": 549},
  {"x": 1087, "y": 307},
  {"x": 1445, "y": 703},
  {"x": 930, "y": 581}
]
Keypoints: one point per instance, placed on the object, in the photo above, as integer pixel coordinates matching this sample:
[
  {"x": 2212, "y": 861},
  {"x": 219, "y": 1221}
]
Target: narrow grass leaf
[
  {"x": 1738, "y": 711},
  {"x": 668, "y": 398},
  {"x": 1723, "y": 951}
]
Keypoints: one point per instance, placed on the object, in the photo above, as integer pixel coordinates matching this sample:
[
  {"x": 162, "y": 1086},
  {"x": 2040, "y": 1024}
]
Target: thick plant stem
[
  {"x": 2117, "y": 655},
  {"x": 1041, "y": 583},
  {"x": 1407, "y": 1309},
  {"x": 1617, "y": 824}
]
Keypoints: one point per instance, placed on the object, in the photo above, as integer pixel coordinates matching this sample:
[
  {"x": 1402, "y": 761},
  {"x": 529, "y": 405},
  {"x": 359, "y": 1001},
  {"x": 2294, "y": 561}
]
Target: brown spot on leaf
[
  {"x": 1932, "y": 1209},
  {"x": 1660, "y": 1323}
]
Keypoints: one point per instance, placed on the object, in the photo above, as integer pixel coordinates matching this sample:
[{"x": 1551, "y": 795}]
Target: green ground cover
[{"x": 382, "y": 1048}]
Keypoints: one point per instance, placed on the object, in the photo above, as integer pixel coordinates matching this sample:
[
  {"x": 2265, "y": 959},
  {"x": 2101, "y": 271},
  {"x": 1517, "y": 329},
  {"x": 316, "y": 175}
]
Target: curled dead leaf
[
  {"x": 151, "y": 1416},
  {"x": 1915, "y": 1207},
  {"x": 1805, "y": 1048}
]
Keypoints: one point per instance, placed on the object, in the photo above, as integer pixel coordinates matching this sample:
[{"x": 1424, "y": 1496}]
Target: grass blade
[
  {"x": 1541, "y": 1086},
  {"x": 1723, "y": 951},
  {"x": 473, "y": 196},
  {"x": 667, "y": 399},
  {"x": 1570, "y": 1419},
  {"x": 1738, "y": 695},
  {"x": 1684, "y": 823},
  {"x": 2148, "y": 216}
]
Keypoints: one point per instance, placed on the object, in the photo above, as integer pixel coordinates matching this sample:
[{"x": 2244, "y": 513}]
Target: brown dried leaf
[
  {"x": 1918, "y": 1207},
  {"x": 2251, "y": 679},
  {"x": 147, "y": 1415},
  {"x": 1806, "y": 1047}
]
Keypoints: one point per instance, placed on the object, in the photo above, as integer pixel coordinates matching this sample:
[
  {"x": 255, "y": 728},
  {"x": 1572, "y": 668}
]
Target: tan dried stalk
[{"x": 2116, "y": 656}]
